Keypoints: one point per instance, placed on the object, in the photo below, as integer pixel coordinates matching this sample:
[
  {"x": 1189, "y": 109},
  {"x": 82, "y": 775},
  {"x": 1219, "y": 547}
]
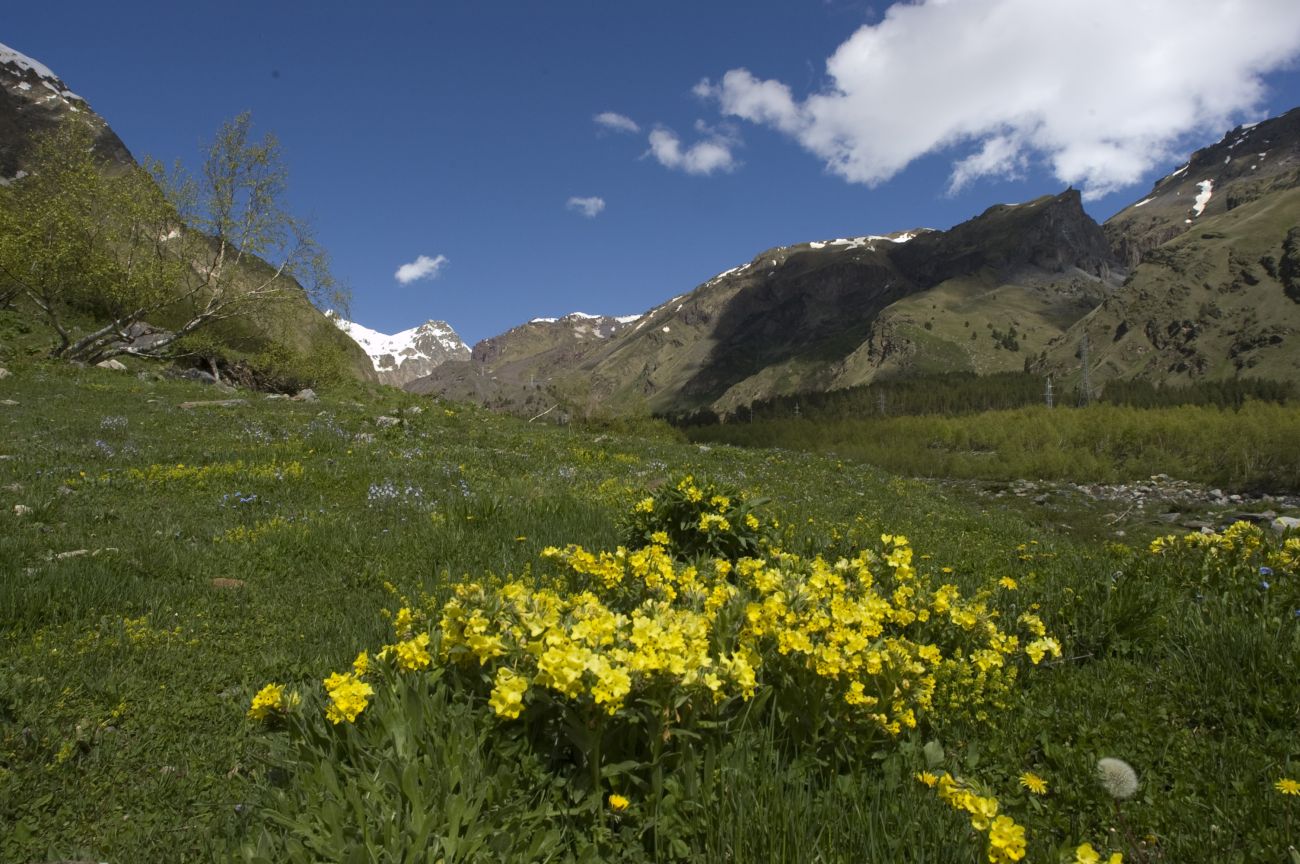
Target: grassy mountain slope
[
  {"x": 293, "y": 333},
  {"x": 1220, "y": 301}
]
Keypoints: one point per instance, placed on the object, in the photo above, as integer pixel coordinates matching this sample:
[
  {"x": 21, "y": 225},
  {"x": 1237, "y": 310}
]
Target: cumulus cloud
[
  {"x": 616, "y": 122},
  {"x": 423, "y": 267},
  {"x": 713, "y": 152},
  {"x": 588, "y": 207},
  {"x": 1100, "y": 91}
]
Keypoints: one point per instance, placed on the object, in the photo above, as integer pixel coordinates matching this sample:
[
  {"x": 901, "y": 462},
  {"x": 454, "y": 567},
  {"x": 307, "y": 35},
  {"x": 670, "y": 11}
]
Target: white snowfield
[{"x": 397, "y": 346}]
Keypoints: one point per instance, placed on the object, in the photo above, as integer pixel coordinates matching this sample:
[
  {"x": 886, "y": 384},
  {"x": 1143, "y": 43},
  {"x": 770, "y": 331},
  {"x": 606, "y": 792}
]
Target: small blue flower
[
  {"x": 1263, "y": 585},
  {"x": 1266, "y": 571}
]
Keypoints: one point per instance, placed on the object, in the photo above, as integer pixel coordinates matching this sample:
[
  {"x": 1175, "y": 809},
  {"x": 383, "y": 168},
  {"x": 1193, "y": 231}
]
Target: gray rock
[
  {"x": 305, "y": 395},
  {"x": 9, "y": 402},
  {"x": 415, "y": 409},
  {"x": 112, "y": 363},
  {"x": 1282, "y": 524},
  {"x": 4, "y": 373},
  {"x": 197, "y": 375},
  {"x": 363, "y": 438},
  {"x": 385, "y": 421},
  {"x": 22, "y": 510},
  {"x": 214, "y": 403},
  {"x": 277, "y": 395}
]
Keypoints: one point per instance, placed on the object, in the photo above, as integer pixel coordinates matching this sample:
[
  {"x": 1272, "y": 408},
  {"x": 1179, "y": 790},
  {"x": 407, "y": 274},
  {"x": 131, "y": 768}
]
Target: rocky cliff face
[{"x": 1248, "y": 164}]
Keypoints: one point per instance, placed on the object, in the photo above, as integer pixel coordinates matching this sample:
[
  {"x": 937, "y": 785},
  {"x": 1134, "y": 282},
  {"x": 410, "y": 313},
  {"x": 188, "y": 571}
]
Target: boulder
[
  {"x": 1282, "y": 524},
  {"x": 112, "y": 363},
  {"x": 305, "y": 395},
  {"x": 386, "y": 422}
]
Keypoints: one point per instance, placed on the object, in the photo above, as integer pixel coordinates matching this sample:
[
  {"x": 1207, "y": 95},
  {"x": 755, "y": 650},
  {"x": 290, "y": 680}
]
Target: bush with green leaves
[{"x": 699, "y": 519}]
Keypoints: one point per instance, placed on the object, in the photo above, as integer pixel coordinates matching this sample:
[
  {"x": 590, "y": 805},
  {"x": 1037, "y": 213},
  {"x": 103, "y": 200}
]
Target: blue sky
[{"x": 460, "y": 131}]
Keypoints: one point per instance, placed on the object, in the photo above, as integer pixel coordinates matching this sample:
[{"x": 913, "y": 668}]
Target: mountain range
[{"x": 1197, "y": 280}]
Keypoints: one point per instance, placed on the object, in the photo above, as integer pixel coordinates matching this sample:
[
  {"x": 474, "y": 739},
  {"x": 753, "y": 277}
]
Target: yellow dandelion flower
[
  {"x": 1008, "y": 583},
  {"x": 1287, "y": 786},
  {"x": 618, "y": 803},
  {"x": 1033, "y": 783}
]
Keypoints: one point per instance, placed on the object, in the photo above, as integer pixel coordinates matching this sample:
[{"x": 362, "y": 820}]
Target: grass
[{"x": 126, "y": 670}]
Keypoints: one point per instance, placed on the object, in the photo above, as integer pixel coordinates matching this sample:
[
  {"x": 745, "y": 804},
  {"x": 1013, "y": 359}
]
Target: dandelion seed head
[{"x": 1117, "y": 777}]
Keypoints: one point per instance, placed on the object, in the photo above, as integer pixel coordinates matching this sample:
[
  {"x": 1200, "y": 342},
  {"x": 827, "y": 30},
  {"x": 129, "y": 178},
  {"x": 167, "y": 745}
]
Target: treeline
[
  {"x": 950, "y": 393},
  {"x": 1221, "y": 394},
  {"x": 957, "y": 393},
  {"x": 1248, "y": 448}
]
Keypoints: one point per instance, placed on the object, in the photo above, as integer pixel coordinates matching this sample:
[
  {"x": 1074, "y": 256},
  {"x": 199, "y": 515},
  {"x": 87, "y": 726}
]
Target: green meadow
[{"x": 160, "y": 566}]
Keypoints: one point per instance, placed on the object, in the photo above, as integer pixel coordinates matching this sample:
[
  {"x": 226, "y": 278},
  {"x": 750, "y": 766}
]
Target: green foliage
[
  {"x": 699, "y": 520},
  {"x": 1247, "y": 448},
  {"x": 132, "y": 245}
]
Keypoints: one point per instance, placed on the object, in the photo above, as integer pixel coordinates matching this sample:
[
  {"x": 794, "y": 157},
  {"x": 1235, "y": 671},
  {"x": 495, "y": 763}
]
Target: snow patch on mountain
[
  {"x": 410, "y": 354},
  {"x": 1203, "y": 197},
  {"x": 25, "y": 64}
]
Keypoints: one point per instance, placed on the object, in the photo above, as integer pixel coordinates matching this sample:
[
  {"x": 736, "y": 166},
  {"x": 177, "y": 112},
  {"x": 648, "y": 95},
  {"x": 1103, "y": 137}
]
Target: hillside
[
  {"x": 818, "y": 315},
  {"x": 33, "y": 99}
]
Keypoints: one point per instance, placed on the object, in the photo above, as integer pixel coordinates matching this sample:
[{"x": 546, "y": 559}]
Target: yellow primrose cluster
[
  {"x": 869, "y": 630},
  {"x": 1240, "y": 537},
  {"x": 1006, "y": 838},
  {"x": 272, "y": 700}
]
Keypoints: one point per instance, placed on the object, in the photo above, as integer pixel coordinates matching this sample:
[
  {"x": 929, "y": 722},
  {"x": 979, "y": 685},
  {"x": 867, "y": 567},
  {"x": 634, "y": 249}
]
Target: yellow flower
[
  {"x": 271, "y": 699},
  {"x": 1006, "y": 840},
  {"x": 927, "y": 778},
  {"x": 405, "y": 618},
  {"x": 1085, "y": 854},
  {"x": 1287, "y": 786},
  {"x": 1033, "y": 783},
  {"x": 349, "y": 696},
  {"x": 507, "y": 698},
  {"x": 1008, "y": 583},
  {"x": 751, "y": 521},
  {"x": 618, "y": 803},
  {"x": 645, "y": 505},
  {"x": 361, "y": 665},
  {"x": 413, "y": 654},
  {"x": 660, "y": 537}
]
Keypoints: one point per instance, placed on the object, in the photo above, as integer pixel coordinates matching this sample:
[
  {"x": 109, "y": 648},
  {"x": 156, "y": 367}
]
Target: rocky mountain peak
[
  {"x": 1251, "y": 161},
  {"x": 402, "y": 357},
  {"x": 34, "y": 99},
  {"x": 1052, "y": 233}
]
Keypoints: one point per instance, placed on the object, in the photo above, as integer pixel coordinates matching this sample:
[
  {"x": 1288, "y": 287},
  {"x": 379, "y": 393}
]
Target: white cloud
[
  {"x": 422, "y": 267},
  {"x": 711, "y": 153},
  {"x": 588, "y": 207},
  {"x": 1101, "y": 91},
  {"x": 615, "y": 122}
]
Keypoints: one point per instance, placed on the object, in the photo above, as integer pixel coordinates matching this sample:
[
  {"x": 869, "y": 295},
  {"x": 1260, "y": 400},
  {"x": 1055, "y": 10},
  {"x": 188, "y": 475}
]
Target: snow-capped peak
[
  {"x": 10, "y": 57},
  {"x": 410, "y": 354}
]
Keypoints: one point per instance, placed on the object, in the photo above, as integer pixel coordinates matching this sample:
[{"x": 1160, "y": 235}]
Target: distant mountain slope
[
  {"x": 1249, "y": 163},
  {"x": 34, "y": 99},
  {"x": 403, "y": 357},
  {"x": 1219, "y": 301},
  {"x": 815, "y": 315}
]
